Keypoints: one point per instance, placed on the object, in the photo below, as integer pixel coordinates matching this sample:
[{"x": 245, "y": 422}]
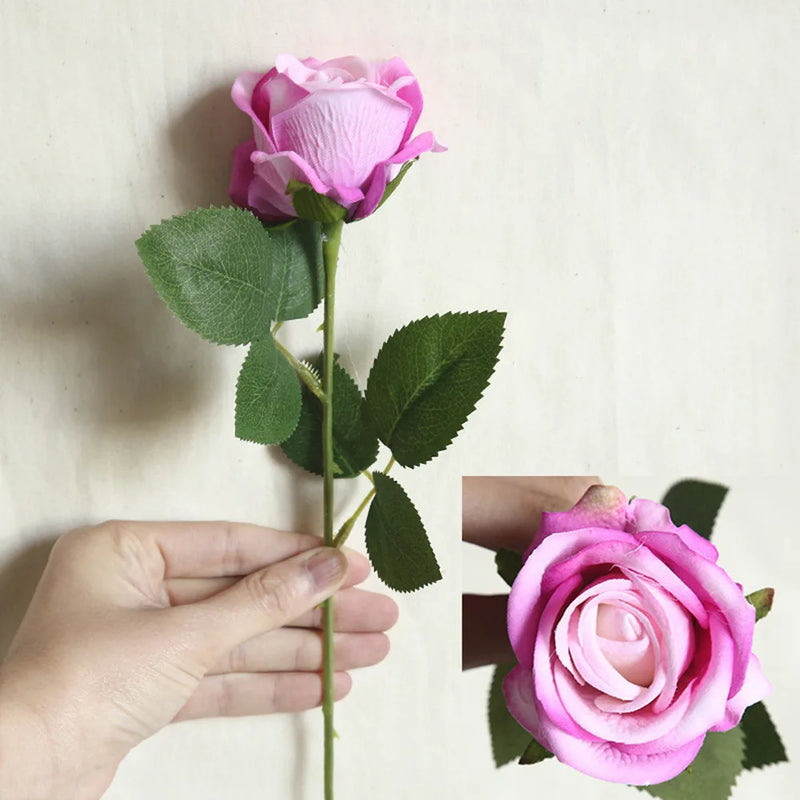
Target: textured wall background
[{"x": 621, "y": 178}]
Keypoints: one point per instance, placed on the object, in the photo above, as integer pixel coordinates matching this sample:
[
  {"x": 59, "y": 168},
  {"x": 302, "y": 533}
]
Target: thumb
[{"x": 271, "y": 597}]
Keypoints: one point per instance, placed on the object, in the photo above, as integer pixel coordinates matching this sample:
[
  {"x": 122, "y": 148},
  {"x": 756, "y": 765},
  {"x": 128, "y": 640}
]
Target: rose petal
[
  {"x": 755, "y": 688},
  {"x": 523, "y": 613},
  {"x": 376, "y": 185},
  {"x": 717, "y": 590},
  {"x": 600, "y": 507},
  {"x": 242, "y": 94},
  {"x": 342, "y": 134},
  {"x": 242, "y": 174},
  {"x": 267, "y": 193}
]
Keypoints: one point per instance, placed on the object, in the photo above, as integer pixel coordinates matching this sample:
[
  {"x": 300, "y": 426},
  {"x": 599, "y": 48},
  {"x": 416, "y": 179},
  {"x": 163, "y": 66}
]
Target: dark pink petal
[
  {"x": 600, "y": 507},
  {"x": 645, "y": 515},
  {"x": 755, "y": 688},
  {"x": 242, "y": 173},
  {"x": 388, "y": 73},
  {"x": 715, "y": 588},
  {"x": 242, "y": 94},
  {"x": 342, "y": 134}
]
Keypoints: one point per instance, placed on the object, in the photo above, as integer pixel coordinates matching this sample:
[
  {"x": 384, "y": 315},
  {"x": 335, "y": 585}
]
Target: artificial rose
[
  {"x": 342, "y": 126},
  {"x": 632, "y": 642}
]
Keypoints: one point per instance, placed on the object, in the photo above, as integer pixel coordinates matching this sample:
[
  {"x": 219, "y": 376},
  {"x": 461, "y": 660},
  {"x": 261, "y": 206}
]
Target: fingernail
[{"x": 326, "y": 566}]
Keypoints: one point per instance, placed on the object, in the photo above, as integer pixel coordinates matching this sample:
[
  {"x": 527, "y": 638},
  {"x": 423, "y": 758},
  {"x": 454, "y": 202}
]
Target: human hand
[
  {"x": 499, "y": 512},
  {"x": 135, "y": 624}
]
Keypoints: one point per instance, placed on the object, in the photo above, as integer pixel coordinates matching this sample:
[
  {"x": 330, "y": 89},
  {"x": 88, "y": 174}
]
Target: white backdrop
[{"x": 621, "y": 178}]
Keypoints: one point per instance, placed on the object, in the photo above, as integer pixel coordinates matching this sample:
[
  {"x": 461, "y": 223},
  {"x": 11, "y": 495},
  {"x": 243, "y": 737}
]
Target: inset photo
[{"x": 610, "y": 635}]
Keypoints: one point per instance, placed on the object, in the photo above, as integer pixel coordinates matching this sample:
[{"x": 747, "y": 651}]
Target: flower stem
[
  {"x": 331, "y": 238},
  {"x": 344, "y": 531}
]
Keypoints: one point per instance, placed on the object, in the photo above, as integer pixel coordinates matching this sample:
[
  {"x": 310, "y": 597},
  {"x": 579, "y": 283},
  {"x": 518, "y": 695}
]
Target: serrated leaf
[
  {"x": 226, "y": 276},
  {"x": 297, "y": 272},
  {"x": 395, "y": 182},
  {"x": 508, "y": 563},
  {"x": 761, "y": 600},
  {"x": 762, "y": 744},
  {"x": 397, "y": 544},
  {"x": 696, "y": 504},
  {"x": 534, "y": 753},
  {"x": 509, "y": 738},
  {"x": 355, "y": 446},
  {"x": 267, "y": 395},
  {"x": 310, "y": 205},
  {"x": 427, "y": 378},
  {"x": 711, "y": 775}
]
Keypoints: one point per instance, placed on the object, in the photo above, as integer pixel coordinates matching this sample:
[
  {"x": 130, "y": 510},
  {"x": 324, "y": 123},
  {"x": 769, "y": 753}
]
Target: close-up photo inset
[{"x": 608, "y": 636}]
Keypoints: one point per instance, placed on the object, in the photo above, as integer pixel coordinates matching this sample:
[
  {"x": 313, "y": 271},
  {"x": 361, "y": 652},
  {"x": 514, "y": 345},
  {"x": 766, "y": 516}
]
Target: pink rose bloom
[
  {"x": 632, "y": 642},
  {"x": 343, "y": 126}
]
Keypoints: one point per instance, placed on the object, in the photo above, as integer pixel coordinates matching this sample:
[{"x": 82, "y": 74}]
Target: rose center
[{"x": 625, "y": 644}]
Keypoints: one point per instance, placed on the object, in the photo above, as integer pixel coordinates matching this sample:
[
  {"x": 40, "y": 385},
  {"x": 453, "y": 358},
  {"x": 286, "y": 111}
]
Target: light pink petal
[
  {"x": 677, "y": 635},
  {"x": 600, "y": 507},
  {"x": 297, "y": 70},
  {"x": 637, "y": 727},
  {"x": 279, "y": 93},
  {"x": 712, "y": 683},
  {"x": 636, "y": 764},
  {"x": 272, "y": 173},
  {"x": 376, "y": 185},
  {"x": 518, "y": 692},
  {"x": 342, "y": 135},
  {"x": 755, "y": 688},
  {"x": 716, "y": 589},
  {"x": 621, "y": 550},
  {"x": 544, "y": 664},
  {"x": 354, "y": 67},
  {"x": 523, "y": 615},
  {"x": 242, "y": 94}
]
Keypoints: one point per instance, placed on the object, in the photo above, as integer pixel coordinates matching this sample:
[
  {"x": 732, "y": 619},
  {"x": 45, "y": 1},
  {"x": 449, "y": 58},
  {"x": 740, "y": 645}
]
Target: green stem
[
  {"x": 304, "y": 372},
  {"x": 344, "y": 531},
  {"x": 331, "y": 238}
]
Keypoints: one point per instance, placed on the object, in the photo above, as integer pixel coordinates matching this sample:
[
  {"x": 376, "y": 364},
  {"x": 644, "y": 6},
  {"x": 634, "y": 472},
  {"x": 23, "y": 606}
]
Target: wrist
[{"x": 26, "y": 752}]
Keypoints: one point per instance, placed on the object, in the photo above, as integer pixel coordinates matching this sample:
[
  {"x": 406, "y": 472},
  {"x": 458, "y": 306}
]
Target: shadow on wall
[
  {"x": 202, "y": 142},
  {"x": 100, "y": 338},
  {"x": 18, "y": 579}
]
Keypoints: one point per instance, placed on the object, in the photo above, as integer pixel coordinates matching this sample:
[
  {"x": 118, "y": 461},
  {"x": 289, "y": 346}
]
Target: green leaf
[
  {"x": 267, "y": 395},
  {"x": 762, "y": 601},
  {"x": 427, "y": 378},
  {"x": 509, "y": 738},
  {"x": 534, "y": 753},
  {"x": 696, "y": 504},
  {"x": 395, "y": 182},
  {"x": 711, "y": 775},
  {"x": 762, "y": 744},
  {"x": 355, "y": 446},
  {"x": 508, "y": 563},
  {"x": 226, "y": 276},
  {"x": 397, "y": 544},
  {"x": 313, "y": 206},
  {"x": 296, "y": 270}
]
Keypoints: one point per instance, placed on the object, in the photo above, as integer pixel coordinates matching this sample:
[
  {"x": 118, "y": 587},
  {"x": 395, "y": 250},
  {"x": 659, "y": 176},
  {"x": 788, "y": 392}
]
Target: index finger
[
  {"x": 220, "y": 549},
  {"x": 505, "y": 512}
]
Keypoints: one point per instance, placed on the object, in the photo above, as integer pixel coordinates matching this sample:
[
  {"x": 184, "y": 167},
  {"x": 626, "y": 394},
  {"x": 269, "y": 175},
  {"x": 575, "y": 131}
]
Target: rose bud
[{"x": 341, "y": 127}]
